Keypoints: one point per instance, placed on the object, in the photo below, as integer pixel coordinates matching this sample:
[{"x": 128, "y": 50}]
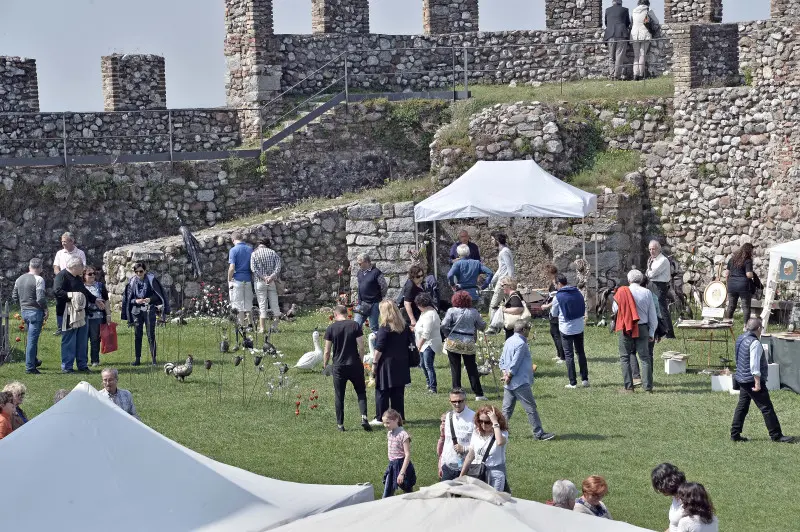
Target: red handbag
[{"x": 108, "y": 337}]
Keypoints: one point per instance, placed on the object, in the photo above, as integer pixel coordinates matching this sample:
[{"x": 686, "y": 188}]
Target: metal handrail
[
  {"x": 280, "y": 118},
  {"x": 278, "y": 97}
]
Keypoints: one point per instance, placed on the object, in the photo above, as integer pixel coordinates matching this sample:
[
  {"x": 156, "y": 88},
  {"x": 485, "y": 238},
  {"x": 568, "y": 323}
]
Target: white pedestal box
[
  {"x": 721, "y": 383},
  {"x": 774, "y": 379},
  {"x": 674, "y": 367}
]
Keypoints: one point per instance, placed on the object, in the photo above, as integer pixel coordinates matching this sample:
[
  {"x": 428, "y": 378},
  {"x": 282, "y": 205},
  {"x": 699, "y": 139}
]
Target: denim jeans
[
  {"x": 524, "y": 395},
  {"x": 94, "y": 339},
  {"x": 628, "y": 348},
  {"x": 33, "y": 319},
  {"x": 428, "y": 357},
  {"x": 374, "y": 314},
  {"x": 139, "y": 322},
  {"x": 573, "y": 345},
  {"x": 74, "y": 345}
]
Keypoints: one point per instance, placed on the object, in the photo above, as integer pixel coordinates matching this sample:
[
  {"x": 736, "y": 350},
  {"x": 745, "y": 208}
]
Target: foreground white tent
[
  {"x": 463, "y": 504},
  {"x": 86, "y": 465},
  {"x": 787, "y": 250},
  {"x": 506, "y": 189}
]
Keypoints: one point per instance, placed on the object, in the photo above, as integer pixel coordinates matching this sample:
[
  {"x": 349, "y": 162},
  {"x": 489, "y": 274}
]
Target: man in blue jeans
[
  {"x": 372, "y": 287},
  {"x": 29, "y": 293},
  {"x": 570, "y": 308},
  {"x": 517, "y": 367}
]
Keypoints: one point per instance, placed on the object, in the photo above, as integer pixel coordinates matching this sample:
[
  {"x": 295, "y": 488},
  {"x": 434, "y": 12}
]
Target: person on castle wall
[
  {"x": 659, "y": 273},
  {"x": 69, "y": 250},
  {"x": 463, "y": 238},
  {"x": 617, "y": 35},
  {"x": 641, "y": 36},
  {"x": 739, "y": 272}
]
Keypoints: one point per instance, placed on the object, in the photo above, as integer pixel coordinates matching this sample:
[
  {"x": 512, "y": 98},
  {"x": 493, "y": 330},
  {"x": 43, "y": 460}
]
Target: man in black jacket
[
  {"x": 617, "y": 35},
  {"x": 74, "y": 340}
]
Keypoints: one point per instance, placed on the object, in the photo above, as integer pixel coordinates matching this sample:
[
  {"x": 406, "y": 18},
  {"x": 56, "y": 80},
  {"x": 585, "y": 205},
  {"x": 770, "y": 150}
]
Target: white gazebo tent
[
  {"x": 457, "y": 505},
  {"x": 787, "y": 250},
  {"x": 506, "y": 189},
  {"x": 86, "y": 465}
]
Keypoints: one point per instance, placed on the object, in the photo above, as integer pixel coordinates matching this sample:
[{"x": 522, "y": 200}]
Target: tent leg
[
  {"x": 596, "y": 272},
  {"x": 416, "y": 234},
  {"x": 583, "y": 234},
  {"x": 435, "y": 257}
]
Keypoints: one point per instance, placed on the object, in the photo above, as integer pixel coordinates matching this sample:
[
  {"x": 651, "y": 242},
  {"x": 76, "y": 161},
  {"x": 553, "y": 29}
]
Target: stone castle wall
[
  {"x": 706, "y": 55},
  {"x": 449, "y": 16},
  {"x": 692, "y": 11},
  {"x": 134, "y": 82},
  {"x": 570, "y": 14}
]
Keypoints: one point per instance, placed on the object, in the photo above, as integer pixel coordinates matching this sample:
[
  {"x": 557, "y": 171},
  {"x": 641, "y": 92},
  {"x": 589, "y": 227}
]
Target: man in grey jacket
[
  {"x": 29, "y": 293},
  {"x": 617, "y": 35}
]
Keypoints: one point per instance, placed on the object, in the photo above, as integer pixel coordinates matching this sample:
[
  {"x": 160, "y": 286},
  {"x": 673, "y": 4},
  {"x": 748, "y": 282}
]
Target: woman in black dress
[
  {"x": 740, "y": 272},
  {"x": 391, "y": 363}
]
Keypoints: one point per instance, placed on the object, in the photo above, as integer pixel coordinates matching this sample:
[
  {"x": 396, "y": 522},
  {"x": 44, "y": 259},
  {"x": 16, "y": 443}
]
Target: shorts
[{"x": 241, "y": 295}]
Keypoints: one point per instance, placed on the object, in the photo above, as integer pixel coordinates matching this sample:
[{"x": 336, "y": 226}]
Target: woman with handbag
[
  {"x": 645, "y": 26},
  {"x": 513, "y": 307},
  {"x": 392, "y": 361},
  {"x": 461, "y": 324},
  {"x": 94, "y": 316},
  {"x": 486, "y": 458}
]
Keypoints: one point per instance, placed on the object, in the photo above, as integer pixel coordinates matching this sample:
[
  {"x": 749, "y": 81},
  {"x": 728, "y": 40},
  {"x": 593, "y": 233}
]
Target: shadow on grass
[{"x": 586, "y": 437}]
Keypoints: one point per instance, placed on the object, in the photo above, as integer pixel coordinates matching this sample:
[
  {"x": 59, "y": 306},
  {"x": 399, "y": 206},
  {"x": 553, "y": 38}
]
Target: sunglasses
[
  {"x": 138, "y": 271},
  {"x": 90, "y": 273},
  {"x": 457, "y": 402},
  {"x": 485, "y": 421},
  {"x": 419, "y": 277}
]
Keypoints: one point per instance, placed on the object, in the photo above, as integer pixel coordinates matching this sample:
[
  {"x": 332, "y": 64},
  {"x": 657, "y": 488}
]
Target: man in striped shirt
[{"x": 266, "y": 265}]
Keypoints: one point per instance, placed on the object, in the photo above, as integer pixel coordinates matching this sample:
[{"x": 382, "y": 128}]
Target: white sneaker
[
  {"x": 585, "y": 384},
  {"x": 559, "y": 361},
  {"x": 570, "y": 386},
  {"x": 481, "y": 398},
  {"x": 376, "y": 423},
  {"x": 556, "y": 358}
]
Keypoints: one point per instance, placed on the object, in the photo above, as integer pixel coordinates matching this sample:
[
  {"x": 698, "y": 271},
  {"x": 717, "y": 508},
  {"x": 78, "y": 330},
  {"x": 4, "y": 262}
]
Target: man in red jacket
[{"x": 636, "y": 322}]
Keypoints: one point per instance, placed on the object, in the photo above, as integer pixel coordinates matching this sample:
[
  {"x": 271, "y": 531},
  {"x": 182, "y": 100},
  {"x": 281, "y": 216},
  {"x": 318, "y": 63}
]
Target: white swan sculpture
[
  {"x": 313, "y": 358},
  {"x": 370, "y": 357}
]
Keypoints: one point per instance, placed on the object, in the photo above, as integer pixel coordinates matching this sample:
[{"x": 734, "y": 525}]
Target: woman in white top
[
  {"x": 491, "y": 434},
  {"x": 641, "y": 37},
  {"x": 698, "y": 512},
  {"x": 428, "y": 336},
  {"x": 666, "y": 479}
]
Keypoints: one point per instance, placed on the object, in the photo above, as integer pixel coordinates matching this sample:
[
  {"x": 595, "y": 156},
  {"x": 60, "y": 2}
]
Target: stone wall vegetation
[{"x": 562, "y": 138}]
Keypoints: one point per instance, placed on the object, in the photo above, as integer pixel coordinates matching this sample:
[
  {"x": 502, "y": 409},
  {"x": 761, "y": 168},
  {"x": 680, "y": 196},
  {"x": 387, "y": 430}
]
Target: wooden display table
[{"x": 723, "y": 331}]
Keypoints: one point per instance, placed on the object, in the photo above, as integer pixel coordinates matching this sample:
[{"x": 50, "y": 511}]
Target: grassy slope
[{"x": 599, "y": 431}]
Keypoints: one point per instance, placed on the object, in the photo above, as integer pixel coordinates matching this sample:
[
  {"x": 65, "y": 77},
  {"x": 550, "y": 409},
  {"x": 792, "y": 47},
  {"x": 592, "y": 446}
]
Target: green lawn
[{"x": 599, "y": 431}]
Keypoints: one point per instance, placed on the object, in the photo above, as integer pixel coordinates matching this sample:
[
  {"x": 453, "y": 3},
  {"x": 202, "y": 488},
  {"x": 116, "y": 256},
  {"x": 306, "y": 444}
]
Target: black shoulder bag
[
  {"x": 479, "y": 470},
  {"x": 453, "y": 430},
  {"x": 413, "y": 353}
]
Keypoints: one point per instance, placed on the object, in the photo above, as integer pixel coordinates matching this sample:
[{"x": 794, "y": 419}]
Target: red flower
[
  {"x": 297, "y": 403},
  {"x": 19, "y": 339},
  {"x": 339, "y": 271},
  {"x": 297, "y": 412},
  {"x": 330, "y": 318},
  {"x": 21, "y": 327},
  {"x": 313, "y": 391}
]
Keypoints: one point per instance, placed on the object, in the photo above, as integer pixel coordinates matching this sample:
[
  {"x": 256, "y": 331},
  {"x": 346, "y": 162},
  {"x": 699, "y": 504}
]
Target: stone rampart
[{"x": 19, "y": 86}]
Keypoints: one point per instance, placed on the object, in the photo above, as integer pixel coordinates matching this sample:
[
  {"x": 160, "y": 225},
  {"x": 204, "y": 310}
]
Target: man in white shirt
[
  {"x": 68, "y": 251},
  {"x": 460, "y": 420},
  {"x": 659, "y": 273},
  {"x": 505, "y": 267}
]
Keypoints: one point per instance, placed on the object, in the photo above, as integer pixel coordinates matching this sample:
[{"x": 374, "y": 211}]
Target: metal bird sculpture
[
  {"x": 209, "y": 363},
  {"x": 192, "y": 248}
]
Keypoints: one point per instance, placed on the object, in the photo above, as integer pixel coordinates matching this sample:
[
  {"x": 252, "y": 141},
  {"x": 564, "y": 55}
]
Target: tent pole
[
  {"x": 435, "y": 255},
  {"x": 596, "y": 272},
  {"x": 583, "y": 233},
  {"x": 416, "y": 234}
]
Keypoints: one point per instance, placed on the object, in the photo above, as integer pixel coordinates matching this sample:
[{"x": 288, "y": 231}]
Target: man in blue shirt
[
  {"x": 463, "y": 275},
  {"x": 517, "y": 367},
  {"x": 240, "y": 280},
  {"x": 570, "y": 308}
]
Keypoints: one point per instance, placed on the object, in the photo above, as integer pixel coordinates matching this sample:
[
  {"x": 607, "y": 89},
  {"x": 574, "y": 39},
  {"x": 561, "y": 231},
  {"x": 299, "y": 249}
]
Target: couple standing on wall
[{"x": 623, "y": 28}]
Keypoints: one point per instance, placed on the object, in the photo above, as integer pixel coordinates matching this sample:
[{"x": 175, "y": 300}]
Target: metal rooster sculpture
[
  {"x": 192, "y": 248},
  {"x": 180, "y": 371}
]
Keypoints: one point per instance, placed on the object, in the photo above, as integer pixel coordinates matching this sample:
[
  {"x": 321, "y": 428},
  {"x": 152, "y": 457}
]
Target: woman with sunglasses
[
  {"x": 94, "y": 316},
  {"x": 488, "y": 446},
  {"x": 143, "y": 294},
  {"x": 412, "y": 288}
]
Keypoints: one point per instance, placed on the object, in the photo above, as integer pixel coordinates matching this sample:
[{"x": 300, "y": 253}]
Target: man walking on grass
[
  {"x": 751, "y": 375},
  {"x": 454, "y": 438},
  {"x": 517, "y": 367}
]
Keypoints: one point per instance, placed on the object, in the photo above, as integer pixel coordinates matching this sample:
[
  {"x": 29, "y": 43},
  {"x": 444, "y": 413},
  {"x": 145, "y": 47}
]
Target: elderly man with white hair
[
  {"x": 118, "y": 396},
  {"x": 29, "y": 292},
  {"x": 659, "y": 272},
  {"x": 564, "y": 495},
  {"x": 68, "y": 251},
  {"x": 636, "y": 323},
  {"x": 464, "y": 273},
  {"x": 70, "y": 290}
]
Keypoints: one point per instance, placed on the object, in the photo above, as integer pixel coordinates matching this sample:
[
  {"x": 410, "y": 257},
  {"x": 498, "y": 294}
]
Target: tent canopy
[
  {"x": 506, "y": 189},
  {"x": 787, "y": 250},
  {"x": 476, "y": 507},
  {"x": 84, "y": 462}
]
